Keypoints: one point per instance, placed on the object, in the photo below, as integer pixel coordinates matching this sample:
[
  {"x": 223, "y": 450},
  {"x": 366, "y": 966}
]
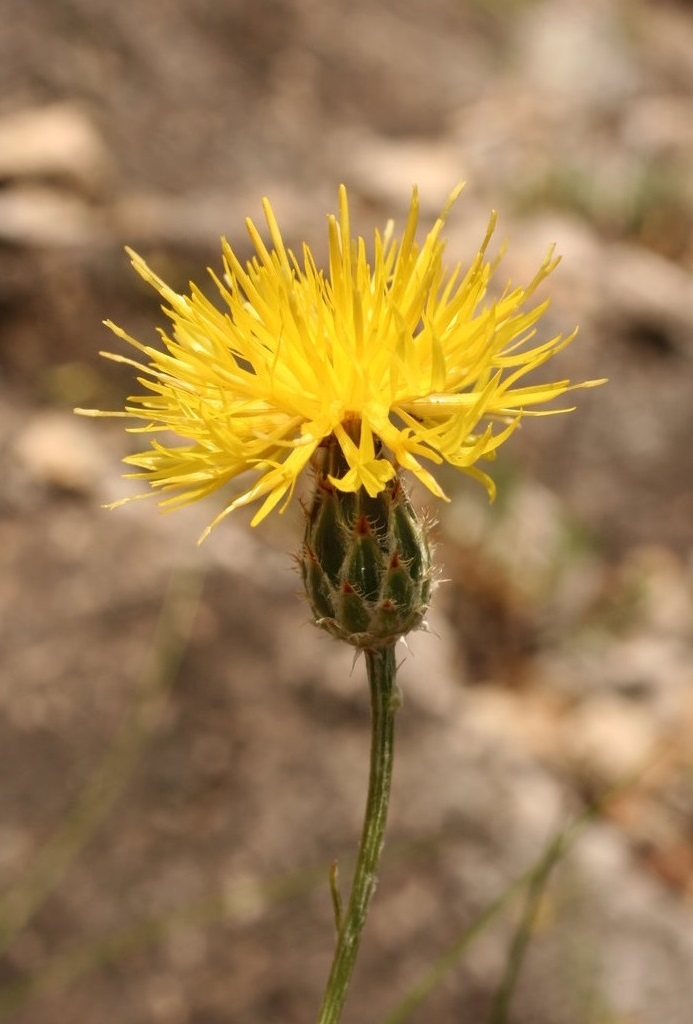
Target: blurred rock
[
  {"x": 55, "y": 449},
  {"x": 607, "y": 740},
  {"x": 34, "y": 215},
  {"x": 385, "y": 169},
  {"x": 53, "y": 166},
  {"x": 57, "y": 143},
  {"x": 641, "y": 290},
  {"x": 577, "y": 50},
  {"x": 659, "y": 124},
  {"x": 643, "y": 934},
  {"x": 198, "y": 219}
]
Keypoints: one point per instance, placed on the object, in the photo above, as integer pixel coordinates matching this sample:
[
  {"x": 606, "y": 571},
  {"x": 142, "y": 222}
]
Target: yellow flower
[{"x": 401, "y": 361}]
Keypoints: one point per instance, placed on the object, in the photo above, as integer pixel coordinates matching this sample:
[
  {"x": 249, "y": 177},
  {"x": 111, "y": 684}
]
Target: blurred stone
[
  {"x": 664, "y": 590},
  {"x": 35, "y": 215},
  {"x": 56, "y": 142},
  {"x": 639, "y": 287},
  {"x": 659, "y": 124},
  {"x": 607, "y": 739},
  {"x": 528, "y": 721},
  {"x": 199, "y": 218},
  {"x": 529, "y": 537},
  {"x": 385, "y": 169},
  {"x": 643, "y": 935},
  {"x": 166, "y": 1001},
  {"x": 579, "y": 51},
  {"x": 57, "y": 450},
  {"x": 618, "y": 283},
  {"x": 15, "y": 844}
]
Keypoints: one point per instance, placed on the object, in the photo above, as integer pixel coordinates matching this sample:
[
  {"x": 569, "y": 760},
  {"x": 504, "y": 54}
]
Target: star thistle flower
[
  {"x": 399, "y": 362},
  {"x": 385, "y": 362}
]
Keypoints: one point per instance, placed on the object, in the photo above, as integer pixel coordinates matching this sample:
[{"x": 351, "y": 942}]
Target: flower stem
[{"x": 382, "y": 670}]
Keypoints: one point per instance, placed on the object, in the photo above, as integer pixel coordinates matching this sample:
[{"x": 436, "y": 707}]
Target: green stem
[{"x": 382, "y": 670}]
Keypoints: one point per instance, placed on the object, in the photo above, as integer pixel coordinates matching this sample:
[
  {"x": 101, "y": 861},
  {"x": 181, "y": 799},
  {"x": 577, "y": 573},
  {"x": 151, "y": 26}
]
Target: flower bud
[{"x": 366, "y": 564}]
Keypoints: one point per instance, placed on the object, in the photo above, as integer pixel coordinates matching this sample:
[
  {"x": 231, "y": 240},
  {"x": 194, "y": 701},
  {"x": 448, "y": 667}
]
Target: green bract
[{"x": 366, "y": 564}]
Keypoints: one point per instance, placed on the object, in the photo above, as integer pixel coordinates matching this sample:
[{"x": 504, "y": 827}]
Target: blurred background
[{"x": 181, "y": 755}]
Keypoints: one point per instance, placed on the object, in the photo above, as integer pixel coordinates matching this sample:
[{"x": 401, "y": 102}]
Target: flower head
[{"x": 398, "y": 360}]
